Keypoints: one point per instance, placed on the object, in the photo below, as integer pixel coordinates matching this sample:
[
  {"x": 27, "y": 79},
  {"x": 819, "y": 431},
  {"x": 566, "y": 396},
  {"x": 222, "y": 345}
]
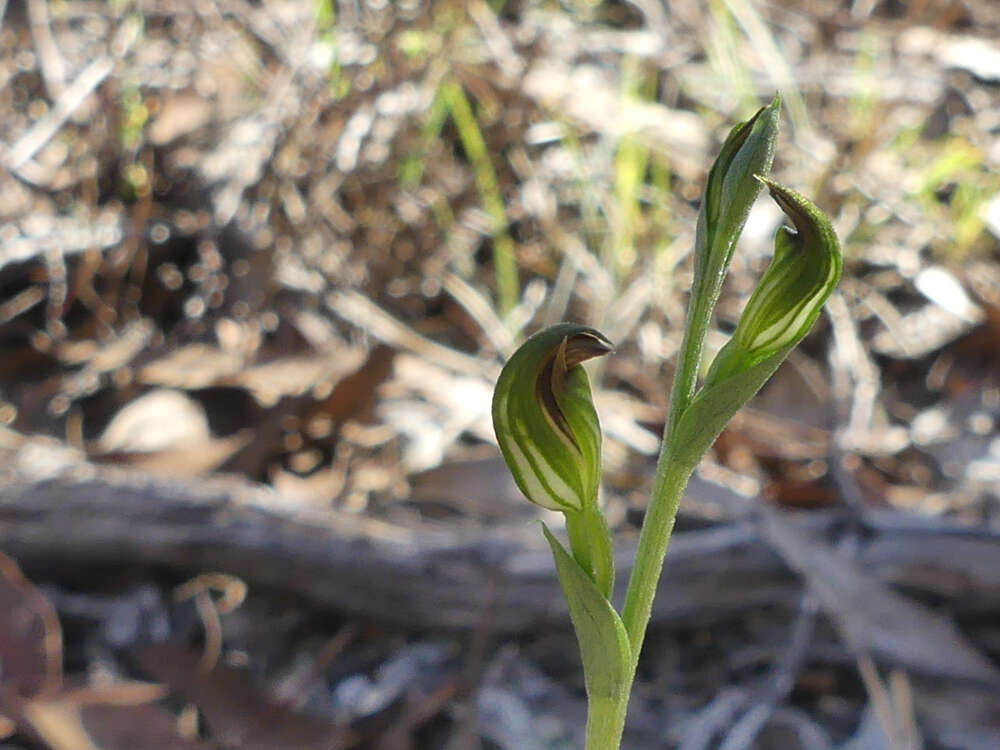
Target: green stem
[
  {"x": 590, "y": 543},
  {"x": 668, "y": 487},
  {"x": 579, "y": 541},
  {"x": 704, "y": 294},
  {"x": 605, "y": 722},
  {"x": 671, "y": 475},
  {"x": 605, "y": 714}
]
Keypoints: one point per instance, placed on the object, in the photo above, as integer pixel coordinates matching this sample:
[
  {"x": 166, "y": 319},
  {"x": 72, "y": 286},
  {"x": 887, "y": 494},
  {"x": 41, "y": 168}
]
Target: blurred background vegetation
[{"x": 289, "y": 244}]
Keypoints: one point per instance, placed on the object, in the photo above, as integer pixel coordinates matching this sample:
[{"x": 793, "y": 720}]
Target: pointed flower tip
[
  {"x": 586, "y": 344},
  {"x": 811, "y": 224},
  {"x": 769, "y": 116},
  {"x": 730, "y": 191},
  {"x": 544, "y": 418}
]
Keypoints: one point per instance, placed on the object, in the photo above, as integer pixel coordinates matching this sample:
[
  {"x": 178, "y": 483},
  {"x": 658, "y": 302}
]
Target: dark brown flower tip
[{"x": 573, "y": 350}]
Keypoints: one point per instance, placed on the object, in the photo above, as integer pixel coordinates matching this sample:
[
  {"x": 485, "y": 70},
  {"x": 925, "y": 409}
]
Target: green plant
[
  {"x": 549, "y": 434},
  {"x": 474, "y": 145},
  {"x": 450, "y": 100}
]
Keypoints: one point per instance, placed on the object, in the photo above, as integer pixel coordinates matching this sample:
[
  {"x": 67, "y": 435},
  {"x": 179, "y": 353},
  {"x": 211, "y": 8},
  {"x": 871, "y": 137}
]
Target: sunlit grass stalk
[
  {"x": 631, "y": 162},
  {"x": 663, "y": 256},
  {"x": 411, "y": 171},
  {"x": 474, "y": 145},
  {"x": 594, "y": 228},
  {"x": 325, "y": 17},
  {"x": 778, "y": 68}
]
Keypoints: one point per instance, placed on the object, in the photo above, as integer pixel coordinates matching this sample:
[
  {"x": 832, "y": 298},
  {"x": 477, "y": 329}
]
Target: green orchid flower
[
  {"x": 544, "y": 417},
  {"x": 786, "y": 302},
  {"x": 549, "y": 434},
  {"x": 550, "y": 437}
]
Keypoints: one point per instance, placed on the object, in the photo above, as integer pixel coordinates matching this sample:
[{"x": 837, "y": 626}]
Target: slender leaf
[{"x": 604, "y": 646}]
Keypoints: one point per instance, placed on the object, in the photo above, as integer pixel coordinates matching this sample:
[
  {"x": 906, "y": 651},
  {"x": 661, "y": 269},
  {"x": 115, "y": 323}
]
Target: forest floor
[{"x": 260, "y": 264}]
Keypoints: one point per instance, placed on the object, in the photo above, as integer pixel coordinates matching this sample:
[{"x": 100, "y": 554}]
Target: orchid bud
[
  {"x": 545, "y": 420},
  {"x": 803, "y": 273},
  {"x": 730, "y": 192}
]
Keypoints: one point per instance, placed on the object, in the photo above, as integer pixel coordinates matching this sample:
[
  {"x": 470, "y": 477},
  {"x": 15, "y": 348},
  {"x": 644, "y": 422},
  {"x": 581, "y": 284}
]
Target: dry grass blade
[{"x": 83, "y": 85}]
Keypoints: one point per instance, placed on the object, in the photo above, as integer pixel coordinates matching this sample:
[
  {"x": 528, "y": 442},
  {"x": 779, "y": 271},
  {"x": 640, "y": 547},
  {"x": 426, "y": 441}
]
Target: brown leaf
[
  {"x": 237, "y": 712},
  {"x": 178, "y": 116},
  {"x": 191, "y": 367},
  {"x": 112, "y": 717},
  {"x": 353, "y": 396},
  {"x": 269, "y": 382},
  {"x": 30, "y": 638},
  {"x": 189, "y": 461},
  {"x": 143, "y": 727},
  {"x": 118, "y": 716}
]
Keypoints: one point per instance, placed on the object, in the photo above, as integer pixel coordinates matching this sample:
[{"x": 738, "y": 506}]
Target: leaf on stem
[{"x": 604, "y": 645}]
